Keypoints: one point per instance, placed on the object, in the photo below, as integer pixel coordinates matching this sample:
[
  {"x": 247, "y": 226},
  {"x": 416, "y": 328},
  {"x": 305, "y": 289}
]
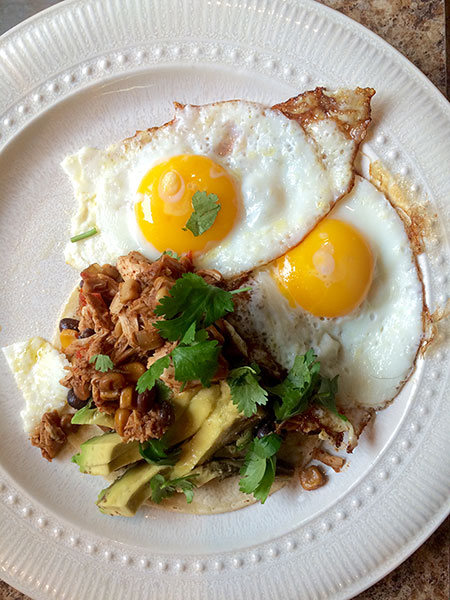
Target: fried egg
[
  {"x": 275, "y": 171},
  {"x": 351, "y": 291},
  {"x": 37, "y": 368}
]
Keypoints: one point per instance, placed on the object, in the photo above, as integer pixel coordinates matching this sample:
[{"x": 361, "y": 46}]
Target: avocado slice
[
  {"x": 224, "y": 422},
  {"x": 92, "y": 416},
  {"x": 103, "y": 454},
  {"x": 196, "y": 412},
  {"x": 181, "y": 401},
  {"x": 124, "y": 496}
]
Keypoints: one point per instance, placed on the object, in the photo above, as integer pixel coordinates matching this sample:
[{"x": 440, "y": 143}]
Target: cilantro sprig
[
  {"x": 258, "y": 470},
  {"x": 198, "y": 361},
  {"x": 102, "y": 362},
  {"x": 205, "y": 212},
  {"x": 191, "y": 306},
  {"x": 163, "y": 488},
  {"x": 246, "y": 392},
  {"x": 155, "y": 452},
  {"x": 191, "y": 301},
  {"x": 295, "y": 391},
  {"x": 304, "y": 386},
  {"x": 326, "y": 396},
  {"x": 148, "y": 380}
]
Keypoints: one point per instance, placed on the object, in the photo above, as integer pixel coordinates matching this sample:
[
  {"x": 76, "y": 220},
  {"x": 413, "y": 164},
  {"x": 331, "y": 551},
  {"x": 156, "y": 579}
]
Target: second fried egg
[{"x": 352, "y": 292}]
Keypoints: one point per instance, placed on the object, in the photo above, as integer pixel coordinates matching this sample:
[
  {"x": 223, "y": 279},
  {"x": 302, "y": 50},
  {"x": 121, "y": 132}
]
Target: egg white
[
  {"x": 286, "y": 186},
  {"x": 372, "y": 349},
  {"x": 37, "y": 368}
]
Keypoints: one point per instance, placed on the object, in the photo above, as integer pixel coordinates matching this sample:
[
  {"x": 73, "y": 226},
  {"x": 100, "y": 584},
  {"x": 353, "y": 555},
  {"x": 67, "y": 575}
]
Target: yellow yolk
[
  {"x": 167, "y": 203},
  {"x": 328, "y": 274}
]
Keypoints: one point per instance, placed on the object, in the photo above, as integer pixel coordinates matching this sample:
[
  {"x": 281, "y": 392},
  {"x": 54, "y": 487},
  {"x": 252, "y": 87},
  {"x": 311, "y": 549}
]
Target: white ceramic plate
[{"x": 92, "y": 72}]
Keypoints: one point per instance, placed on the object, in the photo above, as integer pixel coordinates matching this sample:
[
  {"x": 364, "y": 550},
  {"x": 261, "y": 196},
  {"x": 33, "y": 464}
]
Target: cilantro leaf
[
  {"x": 296, "y": 390},
  {"x": 102, "y": 362},
  {"x": 201, "y": 336},
  {"x": 259, "y": 466},
  {"x": 326, "y": 396},
  {"x": 205, "y": 212},
  {"x": 163, "y": 391},
  {"x": 155, "y": 452},
  {"x": 158, "y": 491},
  {"x": 186, "y": 486},
  {"x": 162, "y": 488},
  {"x": 253, "y": 470},
  {"x": 149, "y": 378},
  {"x": 246, "y": 392},
  {"x": 263, "y": 489},
  {"x": 191, "y": 300},
  {"x": 196, "y": 362},
  {"x": 172, "y": 254},
  {"x": 189, "y": 336}
]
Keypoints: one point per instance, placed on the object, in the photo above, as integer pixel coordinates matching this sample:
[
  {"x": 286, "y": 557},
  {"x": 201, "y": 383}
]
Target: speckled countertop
[{"x": 417, "y": 29}]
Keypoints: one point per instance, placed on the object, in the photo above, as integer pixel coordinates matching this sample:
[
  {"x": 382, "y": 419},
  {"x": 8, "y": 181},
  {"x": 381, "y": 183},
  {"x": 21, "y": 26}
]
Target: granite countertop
[{"x": 417, "y": 29}]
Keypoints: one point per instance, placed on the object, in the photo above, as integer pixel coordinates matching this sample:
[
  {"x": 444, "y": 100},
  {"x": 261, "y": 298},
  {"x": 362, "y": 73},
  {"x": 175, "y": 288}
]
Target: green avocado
[
  {"x": 223, "y": 422},
  {"x": 193, "y": 416},
  {"x": 103, "y": 454},
  {"x": 92, "y": 416},
  {"x": 125, "y": 495}
]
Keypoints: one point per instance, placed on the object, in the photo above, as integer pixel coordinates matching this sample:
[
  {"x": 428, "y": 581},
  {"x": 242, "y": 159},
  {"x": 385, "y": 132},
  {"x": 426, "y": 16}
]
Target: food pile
[
  {"x": 154, "y": 361},
  {"x": 244, "y": 297}
]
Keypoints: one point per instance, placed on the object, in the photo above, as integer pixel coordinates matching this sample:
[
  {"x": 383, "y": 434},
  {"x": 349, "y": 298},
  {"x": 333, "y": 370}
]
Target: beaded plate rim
[{"x": 33, "y": 526}]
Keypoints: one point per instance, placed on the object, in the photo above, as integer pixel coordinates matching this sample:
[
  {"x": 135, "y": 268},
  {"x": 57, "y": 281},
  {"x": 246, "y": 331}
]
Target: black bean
[
  {"x": 264, "y": 429},
  {"x": 86, "y": 333},
  {"x": 165, "y": 413},
  {"x": 69, "y": 324},
  {"x": 145, "y": 400},
  {"x": 74, "y": 401}
]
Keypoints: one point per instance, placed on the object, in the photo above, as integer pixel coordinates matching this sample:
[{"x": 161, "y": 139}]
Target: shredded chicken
[
  {"x": 98, "y": 310},
  {"x": 136, "y": 266},
  {"x": 96, "y": 280},
  {"x": 152, "y": 424},
  {"x": 82, "y": 370},
  {"x": 119, "y": 304},
  {"x": 122, "y": 351},
  {"x": 211, "y": 276},
  {"x": 329, "y": 426},
  {"x": 245, "y": 342},
  {"x": 49, "y": 436}
]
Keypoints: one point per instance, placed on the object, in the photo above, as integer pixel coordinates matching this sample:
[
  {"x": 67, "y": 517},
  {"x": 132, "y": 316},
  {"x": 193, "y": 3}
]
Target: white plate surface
[{"x": 91, "y": 72}]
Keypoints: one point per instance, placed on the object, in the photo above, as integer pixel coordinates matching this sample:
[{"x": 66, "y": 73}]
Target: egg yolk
[
  {"x": 166, "y": 205},
  {"x": 330, "y": 272}
]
